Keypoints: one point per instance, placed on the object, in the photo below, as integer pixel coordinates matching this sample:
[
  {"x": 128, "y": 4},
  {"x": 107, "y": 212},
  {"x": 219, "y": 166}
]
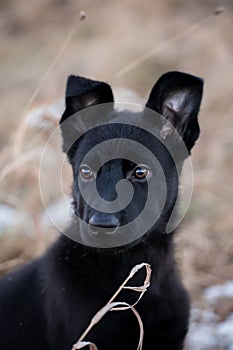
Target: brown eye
[
  {"x": 86, "y": 172},
  {"x": 141, "y": 172}
]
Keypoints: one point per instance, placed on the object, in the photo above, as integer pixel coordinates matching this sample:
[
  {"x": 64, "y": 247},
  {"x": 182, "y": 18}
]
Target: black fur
[{"x": 47, "y": 304}]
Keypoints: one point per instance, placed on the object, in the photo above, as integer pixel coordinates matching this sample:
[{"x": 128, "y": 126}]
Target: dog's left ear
[
  {"x": 177, "y": 97},
  {"x": 80, "y": 94},
  {"x": 83, "y": 92}
]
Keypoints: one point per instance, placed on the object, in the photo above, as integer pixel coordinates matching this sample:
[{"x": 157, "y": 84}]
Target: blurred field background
[{"x": 129, "y": 44}]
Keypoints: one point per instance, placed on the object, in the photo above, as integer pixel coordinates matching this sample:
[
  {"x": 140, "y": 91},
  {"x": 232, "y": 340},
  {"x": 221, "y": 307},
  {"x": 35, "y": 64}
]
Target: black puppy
[{"x": 47, "y": 304}]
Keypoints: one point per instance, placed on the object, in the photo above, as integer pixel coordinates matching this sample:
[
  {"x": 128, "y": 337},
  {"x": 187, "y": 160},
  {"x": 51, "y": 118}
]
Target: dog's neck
[{"x": 102, "y": 264}]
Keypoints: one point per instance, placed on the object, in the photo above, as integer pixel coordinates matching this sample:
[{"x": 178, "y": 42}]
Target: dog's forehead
[
  {"x": 123, "y": 124},
  {"x": 125, "y": 135},
  {"x": 117, "y": 144}
]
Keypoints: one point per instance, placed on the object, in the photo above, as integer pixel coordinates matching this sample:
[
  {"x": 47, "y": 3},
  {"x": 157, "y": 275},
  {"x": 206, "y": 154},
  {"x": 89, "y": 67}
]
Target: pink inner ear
[
  {"x": 89, "y": 99},
  {"x": 176, "y": 101}
]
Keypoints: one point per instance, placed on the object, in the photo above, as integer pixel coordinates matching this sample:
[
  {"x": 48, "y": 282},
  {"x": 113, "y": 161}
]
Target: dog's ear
[
  {"x": 177, "y": 97},
  {"x": 82, "y": 93}
]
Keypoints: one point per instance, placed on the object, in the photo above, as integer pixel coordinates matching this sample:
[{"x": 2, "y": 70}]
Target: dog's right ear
[{"x": 82, "y": 93}]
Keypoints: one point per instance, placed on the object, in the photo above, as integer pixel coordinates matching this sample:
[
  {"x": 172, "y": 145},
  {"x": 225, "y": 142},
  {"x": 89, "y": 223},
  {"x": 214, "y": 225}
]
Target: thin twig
[
  {"x": 21, "y": 130},
  {"x": 119, "y": 306},
  {"x": 156, "y": 49}
]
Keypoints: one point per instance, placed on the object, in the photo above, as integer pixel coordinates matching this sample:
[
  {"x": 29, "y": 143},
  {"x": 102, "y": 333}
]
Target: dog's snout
[{"x": 109, "y": 222}]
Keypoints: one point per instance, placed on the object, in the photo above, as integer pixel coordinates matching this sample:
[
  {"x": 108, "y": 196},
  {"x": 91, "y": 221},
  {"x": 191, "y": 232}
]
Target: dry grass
[
  {"x": 155, "y": 36},
  {"x": 113, "y": 305}
]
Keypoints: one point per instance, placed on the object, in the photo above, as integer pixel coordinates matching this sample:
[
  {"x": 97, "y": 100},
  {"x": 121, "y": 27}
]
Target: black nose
[{"x": 108, "y": 221}]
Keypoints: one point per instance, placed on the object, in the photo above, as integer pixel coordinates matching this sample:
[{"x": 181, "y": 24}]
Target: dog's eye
[
  {"x": 141, "y": 172},
  {"x": 86, "y": 172}
]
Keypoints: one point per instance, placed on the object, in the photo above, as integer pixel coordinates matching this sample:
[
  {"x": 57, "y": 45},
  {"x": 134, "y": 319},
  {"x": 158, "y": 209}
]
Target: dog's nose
[{"x": 109, "y": 222}]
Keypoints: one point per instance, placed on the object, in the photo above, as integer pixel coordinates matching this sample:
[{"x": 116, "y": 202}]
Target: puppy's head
[{"x": 126, "y": 165}]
